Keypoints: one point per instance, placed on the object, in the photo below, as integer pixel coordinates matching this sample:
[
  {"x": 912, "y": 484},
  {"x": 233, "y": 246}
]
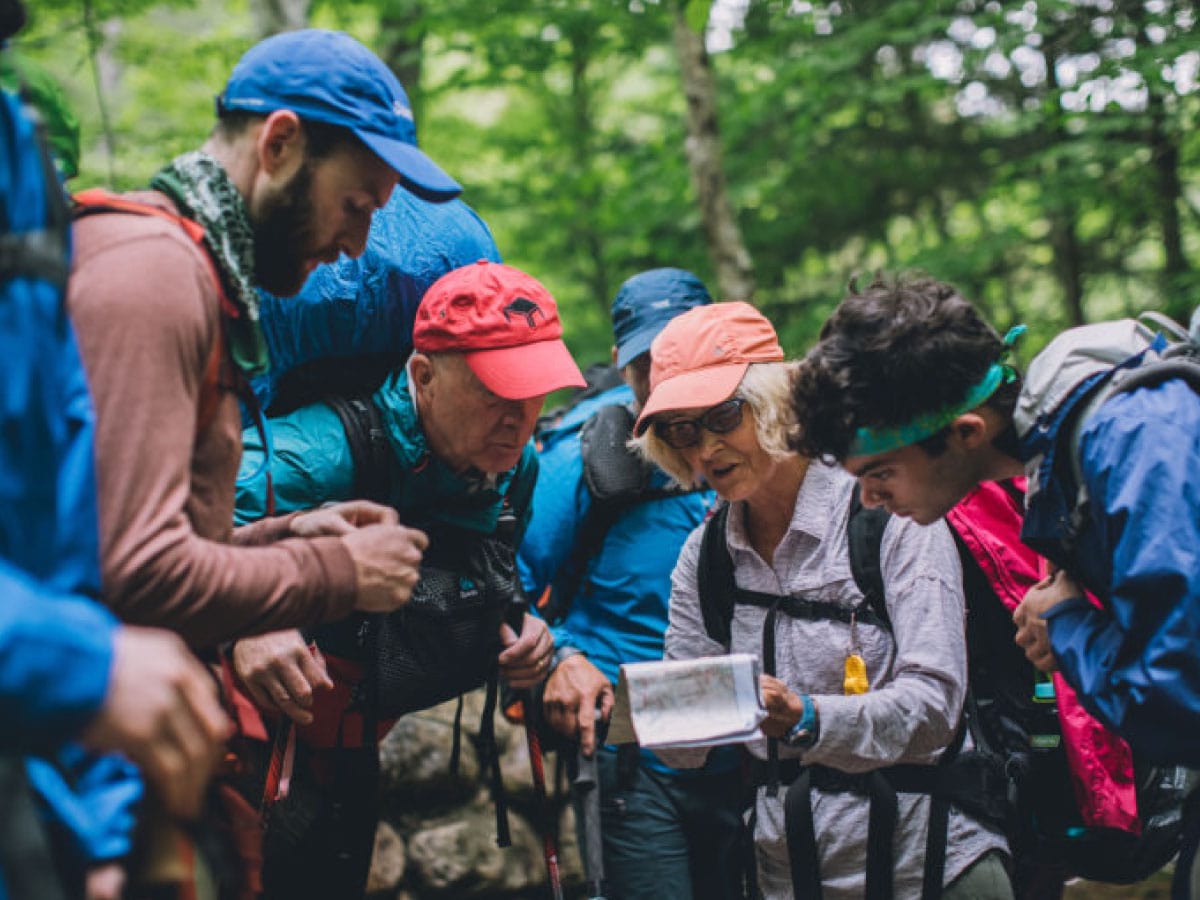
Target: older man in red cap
[{"x": 445, "y": 442}]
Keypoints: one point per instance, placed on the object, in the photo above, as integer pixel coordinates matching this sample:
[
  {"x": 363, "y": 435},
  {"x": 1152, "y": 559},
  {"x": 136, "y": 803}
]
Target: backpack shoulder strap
[
  {"x": 41, "y": 252},
  {"x": 714, "y": 578},
  {"x": 864, "y": 533},
  {"x": 617, "y": 479},
  {"x": 369, "y": 450},
  {"x": 98, "y": 200}
]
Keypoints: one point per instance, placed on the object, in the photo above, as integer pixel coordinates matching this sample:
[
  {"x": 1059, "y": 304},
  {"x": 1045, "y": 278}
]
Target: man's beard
[{"x": 283, "y": 236}]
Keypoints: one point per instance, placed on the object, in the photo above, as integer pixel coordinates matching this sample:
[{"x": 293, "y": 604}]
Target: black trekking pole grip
[{"x": 587, "y": 791}]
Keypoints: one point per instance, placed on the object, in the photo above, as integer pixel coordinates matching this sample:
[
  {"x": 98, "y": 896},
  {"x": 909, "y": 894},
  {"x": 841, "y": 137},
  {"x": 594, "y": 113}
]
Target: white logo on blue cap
[{"x": 400, "y": 109}]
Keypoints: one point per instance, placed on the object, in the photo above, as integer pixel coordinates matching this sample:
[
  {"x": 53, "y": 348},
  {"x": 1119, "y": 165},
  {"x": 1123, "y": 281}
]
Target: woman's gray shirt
[{"x": 918, "y": 677}]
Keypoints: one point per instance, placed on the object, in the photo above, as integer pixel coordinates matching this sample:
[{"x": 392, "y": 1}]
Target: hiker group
[{"x": 275, "y": 472}]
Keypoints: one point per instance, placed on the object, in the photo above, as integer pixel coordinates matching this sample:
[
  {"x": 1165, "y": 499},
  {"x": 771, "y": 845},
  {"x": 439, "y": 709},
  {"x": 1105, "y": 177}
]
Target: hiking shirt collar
[
  {"x": 430, "y": 488},
  {"x": 809, "y": 516},
  {"x": 203, "y": 191}
]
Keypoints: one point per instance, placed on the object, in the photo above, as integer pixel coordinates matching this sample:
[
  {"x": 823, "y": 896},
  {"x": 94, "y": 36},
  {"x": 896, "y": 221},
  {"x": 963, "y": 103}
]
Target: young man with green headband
[{"x": 909, "y": 389}]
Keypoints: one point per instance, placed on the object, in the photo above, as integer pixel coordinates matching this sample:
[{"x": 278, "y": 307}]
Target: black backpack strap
[
  {"x": 814, "y": 610},
  {"x": 864, "y": 534},
  {"x": 39, "y": 253},
  {"x": 369, "y": 449},
  {"x": 714, "y": 578},
  {"x": 802, "y": 837},
  {"x": 617, "y": 479}
]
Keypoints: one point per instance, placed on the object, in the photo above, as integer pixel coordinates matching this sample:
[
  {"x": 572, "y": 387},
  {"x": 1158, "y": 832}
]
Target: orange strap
[{"x": 97, "y": 200}]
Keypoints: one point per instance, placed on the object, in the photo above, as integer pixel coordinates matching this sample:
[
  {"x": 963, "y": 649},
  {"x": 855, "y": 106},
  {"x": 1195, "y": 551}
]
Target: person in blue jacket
[
  {"x": 910, "y": 389},
  {"x": 72, "y": 681},
  {"x": 607, "y": 560}
]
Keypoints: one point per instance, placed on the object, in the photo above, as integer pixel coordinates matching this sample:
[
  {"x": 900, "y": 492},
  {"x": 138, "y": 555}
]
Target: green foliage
[{"x": 1041, "y": 156}]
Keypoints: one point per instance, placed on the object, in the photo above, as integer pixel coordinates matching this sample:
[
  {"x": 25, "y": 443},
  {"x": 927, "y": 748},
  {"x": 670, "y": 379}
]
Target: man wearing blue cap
[
  {"x": 605, "y": 534},
  {"x": 313, "y": 133}
]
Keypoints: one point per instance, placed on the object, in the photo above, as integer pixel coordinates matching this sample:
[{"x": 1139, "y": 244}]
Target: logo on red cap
[{"x": 523, "y": 306}]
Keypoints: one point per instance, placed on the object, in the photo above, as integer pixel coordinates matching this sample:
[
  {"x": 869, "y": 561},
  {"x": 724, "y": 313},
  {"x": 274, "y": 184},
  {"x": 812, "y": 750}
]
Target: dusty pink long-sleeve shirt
[{"x": 145, "y": 309}]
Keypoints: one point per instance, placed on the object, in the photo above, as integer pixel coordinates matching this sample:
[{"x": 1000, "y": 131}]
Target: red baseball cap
[
  {"x": 506, "y": 325},
  {"x": 700, "y": 357}
]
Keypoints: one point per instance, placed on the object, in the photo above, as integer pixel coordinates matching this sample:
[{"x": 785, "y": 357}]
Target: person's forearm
[{"x": 209, "y": 592}]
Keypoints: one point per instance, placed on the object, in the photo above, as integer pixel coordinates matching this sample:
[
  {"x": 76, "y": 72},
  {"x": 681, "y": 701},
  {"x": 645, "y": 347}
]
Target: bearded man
[{"x": 313, "y": 132}]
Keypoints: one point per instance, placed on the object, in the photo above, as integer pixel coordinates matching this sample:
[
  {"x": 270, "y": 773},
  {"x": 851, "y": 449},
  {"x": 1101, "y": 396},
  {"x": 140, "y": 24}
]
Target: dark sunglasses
[{"x": 679, "y": 434}]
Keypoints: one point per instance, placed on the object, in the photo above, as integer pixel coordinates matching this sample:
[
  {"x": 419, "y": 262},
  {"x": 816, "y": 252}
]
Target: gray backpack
[{"x": 1117, "y": 357}]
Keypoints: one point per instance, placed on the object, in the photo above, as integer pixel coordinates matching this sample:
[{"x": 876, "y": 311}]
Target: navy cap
[
  {"x": 646, "y": 303},
  {"x": 328, "y": 76}
]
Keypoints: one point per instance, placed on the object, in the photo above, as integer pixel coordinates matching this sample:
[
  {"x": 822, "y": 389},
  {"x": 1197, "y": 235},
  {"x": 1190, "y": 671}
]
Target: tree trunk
[
  {"x": 583, "y": 230},
  {"x": 1064, "y": 236},
  {"x": 106, "y": 77},
  {"x": 274, "y": 16},
  {"x": 1164, "y": 155},
  {"x": 401, "y": 42},
  {"x": 731, "y": 259}
]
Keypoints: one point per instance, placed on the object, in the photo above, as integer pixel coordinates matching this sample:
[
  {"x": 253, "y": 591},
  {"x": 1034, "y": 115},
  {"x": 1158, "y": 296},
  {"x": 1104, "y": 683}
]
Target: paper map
[{"x": 688, "y": 703}]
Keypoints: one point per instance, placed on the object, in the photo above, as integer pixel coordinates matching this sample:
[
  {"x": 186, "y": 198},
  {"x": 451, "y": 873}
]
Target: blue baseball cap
[
  {"x": 646, "y": 303},
  {"x": 328, "y": 76}
]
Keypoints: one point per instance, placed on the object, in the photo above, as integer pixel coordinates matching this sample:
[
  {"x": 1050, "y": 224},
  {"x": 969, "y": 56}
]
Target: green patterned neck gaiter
[{"x": 203, "y": 191}]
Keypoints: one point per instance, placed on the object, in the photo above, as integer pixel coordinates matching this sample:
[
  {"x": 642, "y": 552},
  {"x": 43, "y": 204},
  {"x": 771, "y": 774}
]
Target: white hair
[{"x": 766, "y": 388}]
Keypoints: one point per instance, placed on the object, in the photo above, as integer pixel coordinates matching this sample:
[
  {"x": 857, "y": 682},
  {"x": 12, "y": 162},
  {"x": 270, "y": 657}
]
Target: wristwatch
[
  {"x": 804, "y": 733},
  {"x": 560, "y": 655}
]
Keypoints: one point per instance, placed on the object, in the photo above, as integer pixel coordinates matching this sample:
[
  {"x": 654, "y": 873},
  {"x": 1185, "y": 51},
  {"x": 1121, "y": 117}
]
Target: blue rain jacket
[
  {"x": 619, "y": 614},
  {"x": 1136, "y": 665},
  {"x": 367, "y": 305},
  {"x": 55, "y": 642}
]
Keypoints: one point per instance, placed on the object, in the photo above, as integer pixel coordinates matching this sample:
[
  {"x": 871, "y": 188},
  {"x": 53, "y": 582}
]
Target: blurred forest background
[{"x": 1043, "y": 156}]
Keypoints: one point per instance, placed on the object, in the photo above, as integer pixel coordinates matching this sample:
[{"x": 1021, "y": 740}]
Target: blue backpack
[
  {"x": 34, "y": 261},
  {"x": 351, "y": 323}
]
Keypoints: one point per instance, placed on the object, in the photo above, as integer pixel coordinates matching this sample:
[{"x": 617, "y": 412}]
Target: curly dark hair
[{"x": 889, "y": 353}]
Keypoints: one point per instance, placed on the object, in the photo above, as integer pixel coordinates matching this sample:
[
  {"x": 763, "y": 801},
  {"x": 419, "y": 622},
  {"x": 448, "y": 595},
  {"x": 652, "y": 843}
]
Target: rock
[
  {"x": 415, "y": 763},
  {"x": 514, "y": 769},
  {"x": 387, "y": 862},
  {"x": 459, "y": 858}
]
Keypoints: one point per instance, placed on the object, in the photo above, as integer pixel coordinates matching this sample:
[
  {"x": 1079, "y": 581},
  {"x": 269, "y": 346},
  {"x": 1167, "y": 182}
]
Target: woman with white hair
[{"x": 863, "y": 693}]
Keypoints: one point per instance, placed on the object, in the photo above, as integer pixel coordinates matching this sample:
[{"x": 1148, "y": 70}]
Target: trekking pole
[
  {"x": 515, "y": 617},
  {"x": 549, "y": 845},
  {"x": 587, "y": 788}
]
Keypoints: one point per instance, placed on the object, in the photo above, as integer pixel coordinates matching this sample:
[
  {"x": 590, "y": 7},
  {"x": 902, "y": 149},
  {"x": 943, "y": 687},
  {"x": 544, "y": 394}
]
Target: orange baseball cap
[{"x": 701, "y": 356}]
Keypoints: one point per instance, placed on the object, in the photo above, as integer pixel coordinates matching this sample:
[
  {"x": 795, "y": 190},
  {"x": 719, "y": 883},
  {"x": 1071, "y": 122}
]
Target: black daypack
[
  {"x": 970, "y": 780},
  {"x": 616, "y": 477},
  {"x": 598, "y": 378},
  {"x": 444, "y": 642}
]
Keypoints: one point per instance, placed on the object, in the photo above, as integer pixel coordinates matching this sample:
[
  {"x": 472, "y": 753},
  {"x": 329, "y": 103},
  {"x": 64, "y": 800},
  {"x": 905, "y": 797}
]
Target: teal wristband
[{"x": 804, "y": 733}]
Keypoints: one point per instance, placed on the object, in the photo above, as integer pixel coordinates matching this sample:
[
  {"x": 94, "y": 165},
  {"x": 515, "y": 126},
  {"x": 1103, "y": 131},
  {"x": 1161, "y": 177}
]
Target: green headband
[{"x": 869, "y": 441}]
